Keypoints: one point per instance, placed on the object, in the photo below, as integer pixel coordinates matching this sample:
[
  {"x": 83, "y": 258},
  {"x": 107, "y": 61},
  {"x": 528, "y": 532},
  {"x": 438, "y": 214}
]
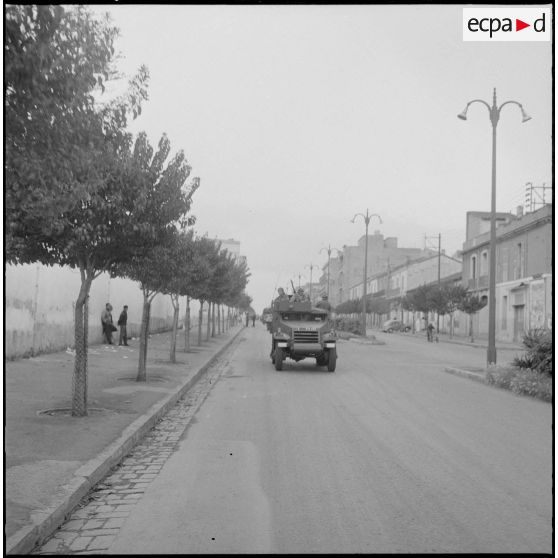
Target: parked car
[{"x": 395, "y": 325}]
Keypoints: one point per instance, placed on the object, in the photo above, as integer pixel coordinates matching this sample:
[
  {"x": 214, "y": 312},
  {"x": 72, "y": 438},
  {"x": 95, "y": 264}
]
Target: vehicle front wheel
[
  {"x": 331, "y": 360},
  {"x": 278, "y": 358},
  {"x": 390, "y": 330}
]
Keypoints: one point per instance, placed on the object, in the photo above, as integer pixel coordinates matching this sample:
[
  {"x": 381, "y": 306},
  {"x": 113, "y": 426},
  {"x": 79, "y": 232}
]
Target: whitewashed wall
[{"x": 39, "y": 308}]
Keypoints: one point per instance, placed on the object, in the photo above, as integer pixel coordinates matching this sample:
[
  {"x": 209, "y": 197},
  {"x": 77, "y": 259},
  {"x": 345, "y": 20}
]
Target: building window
[
  {"x": 505, "y": 264},
  {"x": 505, "y": 312},
  {"x": 484, "y": 264},
  {"x": 473, "y": 267},
  {"x": 519, "y": 268}
]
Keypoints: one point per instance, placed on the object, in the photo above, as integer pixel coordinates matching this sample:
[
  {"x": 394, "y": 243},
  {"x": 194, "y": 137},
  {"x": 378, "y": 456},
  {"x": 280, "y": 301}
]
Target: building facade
[
  {"x": 523, "y": 270},
  {"x": 346, "y": 271}
]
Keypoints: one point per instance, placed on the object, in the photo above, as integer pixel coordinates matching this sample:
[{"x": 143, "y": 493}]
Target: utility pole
[
  {"x": 328, "y": 250},
  {"x": 439, "y": 274},
  {"x": 366, "y": 218},
  {"x": 311, "y": 266}
]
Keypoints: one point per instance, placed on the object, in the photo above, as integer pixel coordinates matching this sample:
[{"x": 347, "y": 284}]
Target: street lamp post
[
  {"x": 328, "y": 250},
  {"x": 494, "y": 114},
  {"x": 366, "y": 218},
  {"x": 311, "y": 266}
]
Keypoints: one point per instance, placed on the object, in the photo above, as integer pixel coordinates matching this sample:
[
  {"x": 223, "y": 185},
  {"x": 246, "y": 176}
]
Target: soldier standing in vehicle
[
  {"x": 282, "y": 295},
  {"x": 300, "y": 295},
  {"x": 324, "y": 304}
]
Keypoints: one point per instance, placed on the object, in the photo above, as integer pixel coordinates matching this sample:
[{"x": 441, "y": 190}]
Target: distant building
[
  {"x": 523, "y": 269},
  {"x": 230, "y": 245},
  {"x": 347, "y": 269}
]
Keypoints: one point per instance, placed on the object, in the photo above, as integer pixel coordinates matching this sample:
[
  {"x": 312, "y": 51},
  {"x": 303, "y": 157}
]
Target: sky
[{"x": 296, "y": 118}]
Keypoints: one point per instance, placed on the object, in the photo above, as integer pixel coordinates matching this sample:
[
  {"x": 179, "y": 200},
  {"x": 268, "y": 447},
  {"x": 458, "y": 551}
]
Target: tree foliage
[{"x": 60, "y": 146}]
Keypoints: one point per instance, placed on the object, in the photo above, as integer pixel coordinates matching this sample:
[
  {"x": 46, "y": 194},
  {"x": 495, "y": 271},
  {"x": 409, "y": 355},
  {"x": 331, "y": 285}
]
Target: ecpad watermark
[{"x": 507, "y": 24}]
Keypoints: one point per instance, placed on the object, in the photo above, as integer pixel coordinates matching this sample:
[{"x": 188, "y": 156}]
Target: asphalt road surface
[{"x": 389, "y": 454}]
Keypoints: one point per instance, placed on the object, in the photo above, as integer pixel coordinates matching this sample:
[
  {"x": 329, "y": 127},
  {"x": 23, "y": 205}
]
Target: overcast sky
[{"x": 298, "y": 117}]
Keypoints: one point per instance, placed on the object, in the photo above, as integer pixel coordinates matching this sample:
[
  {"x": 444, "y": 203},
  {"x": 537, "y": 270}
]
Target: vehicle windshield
[{"x": 302, "y": 317}]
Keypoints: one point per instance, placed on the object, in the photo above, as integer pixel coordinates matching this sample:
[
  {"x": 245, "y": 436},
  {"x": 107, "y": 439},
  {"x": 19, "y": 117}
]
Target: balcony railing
[{"x": 478, "y": 283}]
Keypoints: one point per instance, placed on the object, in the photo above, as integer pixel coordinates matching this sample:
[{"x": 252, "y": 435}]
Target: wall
[{"x": 39, "y": 308}]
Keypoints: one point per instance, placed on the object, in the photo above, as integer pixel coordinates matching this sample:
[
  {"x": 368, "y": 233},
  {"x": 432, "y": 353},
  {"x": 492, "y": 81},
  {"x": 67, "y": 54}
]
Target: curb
[
  {"x": 45, "y": 522},
  {"x": 477, "y": 376},
  {"x": 480, "y": 345}
]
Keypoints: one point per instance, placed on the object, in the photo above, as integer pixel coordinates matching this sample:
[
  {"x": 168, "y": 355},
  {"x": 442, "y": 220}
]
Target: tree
[
  {"x": 229, "y": 279},
  {"x": 377, "y": 306},
  {"x": 455, "y": 294},
  {"x": 471, "y": 304},
  {"x": 74, "y": 192},
  {"x": 243, "y": 302},
  {"x": 56, "y": 59},
  {"x": 418, "y": 300},
  {"x": 178, "y": 266},
  {"x": 166, "y": 205},
  {"x": 206, "y": 254}
]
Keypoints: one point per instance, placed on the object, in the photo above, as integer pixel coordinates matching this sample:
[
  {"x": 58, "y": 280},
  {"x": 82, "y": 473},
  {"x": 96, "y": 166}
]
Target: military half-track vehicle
[{"x": 299, "y": 331}]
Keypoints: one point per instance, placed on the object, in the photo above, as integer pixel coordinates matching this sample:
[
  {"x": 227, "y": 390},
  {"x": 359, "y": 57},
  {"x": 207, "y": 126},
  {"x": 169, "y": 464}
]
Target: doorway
[{"x": 518, "y": 323}]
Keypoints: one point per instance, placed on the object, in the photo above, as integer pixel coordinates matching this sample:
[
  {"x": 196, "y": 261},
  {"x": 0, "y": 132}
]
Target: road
[{"x": 387, "y": 454}]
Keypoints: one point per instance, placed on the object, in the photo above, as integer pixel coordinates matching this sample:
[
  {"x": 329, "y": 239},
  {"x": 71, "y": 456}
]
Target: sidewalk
[
  {"x": 52, "y": 459},
  {"x": 479, "y": 343}
]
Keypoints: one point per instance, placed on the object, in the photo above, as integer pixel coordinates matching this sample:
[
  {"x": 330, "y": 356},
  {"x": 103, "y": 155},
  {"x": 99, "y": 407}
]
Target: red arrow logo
[{"x": 519, "y": 25}]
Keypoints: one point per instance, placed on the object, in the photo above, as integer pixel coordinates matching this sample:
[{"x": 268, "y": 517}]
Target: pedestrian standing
[
  {"x": 122, "y": 322},
  {"x": 106, "y": 322},
  {"x": 430, "y": 332},
  {"x": 247, "y": 318},
  {"x": 253, "y": 320}
]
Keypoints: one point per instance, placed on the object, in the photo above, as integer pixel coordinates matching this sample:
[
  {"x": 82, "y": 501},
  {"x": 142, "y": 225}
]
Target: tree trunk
[
  {"x": 187, "y": 326},
  {"x": 218, "y": 319},
  {"x": 471, "y": 328},
  {"x": 79, "y": 378},
  {"x": 208, "y": 328},
  {"x": 213, "y": 320},
  {"x": 144, "y": 336},
  {"x": 200, "y": 323},
  {"x": 176, "y": 307},
  {"x": 451, "y": 326}
]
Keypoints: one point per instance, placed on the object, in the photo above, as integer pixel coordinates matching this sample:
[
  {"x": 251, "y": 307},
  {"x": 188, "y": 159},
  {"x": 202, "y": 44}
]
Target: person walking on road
[
  {"x": 106, "y": 322},
  {"x": 247, "y": 319},
  {"x": 122, "y": 322},
  {"x": 253, "y": 320}
]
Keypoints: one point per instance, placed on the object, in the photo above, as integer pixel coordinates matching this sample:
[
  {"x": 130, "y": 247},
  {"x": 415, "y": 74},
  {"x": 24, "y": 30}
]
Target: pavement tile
[
  {"x": 101, "y": 532},
  {"x": 94, "y": 524},
  {"x": 111, "y": 515},
  {"x": 74, "y": 524},
  {"x": 115, "y": 523},
  {"x": 52, "y": 545},
  {"x": 101, "y": 542},
  {"x": 141, "y": 485},
  {"x": 80, "y": 543},
  {"x": 124, "y": 507},
  {"x": 147, "y": 476},
  {"x": 104, "y": 508},
  {"x": 66, "y": 536}
]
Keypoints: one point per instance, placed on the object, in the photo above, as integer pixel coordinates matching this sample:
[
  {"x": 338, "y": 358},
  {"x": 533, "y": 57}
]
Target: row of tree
[
  {"x": 443, "y": 300},
  {"x": 81, "y": 192}
]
